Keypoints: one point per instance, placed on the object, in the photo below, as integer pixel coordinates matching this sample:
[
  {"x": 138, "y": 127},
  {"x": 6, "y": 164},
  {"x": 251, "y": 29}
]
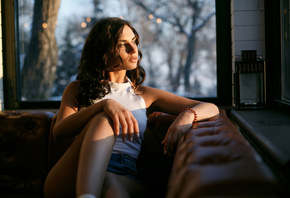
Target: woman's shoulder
[
  {"x": 72, "y": 88},
  {"x": 153, "y": 94},
  {"x": 149, "y": 94},
  {"x": 149, "y": 90},
  {"x": 69, "y": 96},
  {"x": 74, "y": 85},
  {"x": 143, "y": 90}
]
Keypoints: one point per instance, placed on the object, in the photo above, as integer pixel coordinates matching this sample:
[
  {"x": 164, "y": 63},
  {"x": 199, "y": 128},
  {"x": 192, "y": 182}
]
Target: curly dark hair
[{"x": 101, "y": 47}]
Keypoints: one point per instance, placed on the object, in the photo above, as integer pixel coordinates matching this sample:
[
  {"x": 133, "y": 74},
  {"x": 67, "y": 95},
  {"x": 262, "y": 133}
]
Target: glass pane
[
  {"x": 251, "y": 92},
  {"x": 285, "y": 51},
  {"x": 178, "y": 42}
]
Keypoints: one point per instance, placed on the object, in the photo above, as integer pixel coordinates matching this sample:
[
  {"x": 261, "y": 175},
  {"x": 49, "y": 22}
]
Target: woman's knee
[
  {"x": 102, "y": 118},
  {"x": 101, "y": 124}
]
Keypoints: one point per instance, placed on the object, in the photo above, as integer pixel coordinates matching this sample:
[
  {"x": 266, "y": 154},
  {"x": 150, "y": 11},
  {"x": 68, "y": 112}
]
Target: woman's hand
[
  {"x": 121, "y": 116},
  {"x": 181, "y": 125}
]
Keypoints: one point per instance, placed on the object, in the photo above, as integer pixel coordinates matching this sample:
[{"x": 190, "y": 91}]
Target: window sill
[{"x": 269, "y": 133}]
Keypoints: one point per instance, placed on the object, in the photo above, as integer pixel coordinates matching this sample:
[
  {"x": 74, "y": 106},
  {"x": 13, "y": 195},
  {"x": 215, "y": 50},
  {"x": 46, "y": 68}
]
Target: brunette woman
[{"x": 105, "y": 110}]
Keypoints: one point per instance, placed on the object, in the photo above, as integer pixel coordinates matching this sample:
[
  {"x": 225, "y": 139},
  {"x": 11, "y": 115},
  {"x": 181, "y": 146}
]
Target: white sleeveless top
[{"x": 125, "y": 95}]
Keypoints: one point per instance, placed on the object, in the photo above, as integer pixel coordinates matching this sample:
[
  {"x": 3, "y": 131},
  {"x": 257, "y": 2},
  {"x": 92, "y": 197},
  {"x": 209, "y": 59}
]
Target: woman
[{"x": 106, "y": 110}]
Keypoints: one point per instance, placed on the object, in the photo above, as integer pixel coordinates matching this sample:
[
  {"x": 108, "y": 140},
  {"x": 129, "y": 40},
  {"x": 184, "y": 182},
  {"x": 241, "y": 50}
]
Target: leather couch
[{"x": 212, "y": 160}]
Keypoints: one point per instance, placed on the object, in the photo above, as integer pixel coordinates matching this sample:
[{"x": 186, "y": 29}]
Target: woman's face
[{"x": 128, "y": 49}]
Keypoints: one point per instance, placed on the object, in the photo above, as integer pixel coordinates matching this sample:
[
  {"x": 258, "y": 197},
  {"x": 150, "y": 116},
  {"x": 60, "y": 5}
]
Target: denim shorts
[{"x": 122, "y": 164}]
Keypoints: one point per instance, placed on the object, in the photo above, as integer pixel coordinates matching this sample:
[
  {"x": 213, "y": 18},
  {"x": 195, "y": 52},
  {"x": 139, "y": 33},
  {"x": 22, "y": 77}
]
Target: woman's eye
[{"x": 125, "y": 45}]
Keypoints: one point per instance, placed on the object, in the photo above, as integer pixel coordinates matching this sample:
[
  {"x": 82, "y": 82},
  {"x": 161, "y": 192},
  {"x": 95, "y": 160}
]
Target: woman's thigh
[
  {"x": 118, "y": 186},
  {"x": 61, "y": 180}
]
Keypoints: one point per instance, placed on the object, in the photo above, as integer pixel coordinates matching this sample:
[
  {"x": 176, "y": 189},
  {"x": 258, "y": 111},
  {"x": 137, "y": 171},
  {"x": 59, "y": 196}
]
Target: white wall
[
  {"x": 248, "y": 26},
  {"x": 1, "y": 66}
]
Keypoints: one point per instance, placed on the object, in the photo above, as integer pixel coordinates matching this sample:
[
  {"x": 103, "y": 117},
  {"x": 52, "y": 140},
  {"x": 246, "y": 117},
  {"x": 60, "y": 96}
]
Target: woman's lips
[{"x": 133, "y": 59}]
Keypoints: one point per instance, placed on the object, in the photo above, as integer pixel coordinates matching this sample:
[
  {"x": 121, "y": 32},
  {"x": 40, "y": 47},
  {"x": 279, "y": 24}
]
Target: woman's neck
[{"x": 118, "y": 77}]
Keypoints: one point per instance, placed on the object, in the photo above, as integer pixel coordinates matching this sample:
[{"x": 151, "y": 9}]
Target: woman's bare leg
[
  {"x": 117, "y": 186},
  {"x": 94, "y": 157},
  {"x": 61, "y": 181}
]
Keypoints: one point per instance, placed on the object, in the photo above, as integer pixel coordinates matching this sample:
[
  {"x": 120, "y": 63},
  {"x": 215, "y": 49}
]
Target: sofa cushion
[{"x": 154, "y": 167}]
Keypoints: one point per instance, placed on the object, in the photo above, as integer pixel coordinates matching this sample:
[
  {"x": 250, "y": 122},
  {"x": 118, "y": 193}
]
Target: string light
[
  {"x": 44, "y": 25},
  {"x": 150, "y": 16},
  {"x": 88, "y": 19},
  {"x": 158, "y": 20},
  {"x": 84, "y": 24}
]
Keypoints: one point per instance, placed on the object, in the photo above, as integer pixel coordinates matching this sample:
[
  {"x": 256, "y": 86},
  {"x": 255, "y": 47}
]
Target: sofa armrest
[
  {"x": 23, "y": 150},
  {"x": 215, "y": 160}
]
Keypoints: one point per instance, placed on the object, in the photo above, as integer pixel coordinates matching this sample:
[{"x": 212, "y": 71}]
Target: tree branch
[
  {"x": 204, "y": 21},
  {"x": 176, "y": 22},
  {"x": 164, "y": 19}
]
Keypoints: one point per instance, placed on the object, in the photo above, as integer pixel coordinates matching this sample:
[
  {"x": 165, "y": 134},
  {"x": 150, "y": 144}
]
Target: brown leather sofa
[{"x": 213, "y": 160}]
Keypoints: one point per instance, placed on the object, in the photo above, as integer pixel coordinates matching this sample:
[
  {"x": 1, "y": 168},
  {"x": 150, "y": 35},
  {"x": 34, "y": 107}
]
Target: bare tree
[
  {"x": 68, "y": 58},
  {"x": 97, "y": 6},
  {"x": 174, "y": 56},
  {"x": 149, "y": 40},
  {"x": 41, "y": 58},
  {"x": 187, "y": 24},
  {"x": 26, "y": 8}
]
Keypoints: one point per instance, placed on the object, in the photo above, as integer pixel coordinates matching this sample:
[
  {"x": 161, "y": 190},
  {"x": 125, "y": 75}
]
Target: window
[
  {"x": 277, "y": 53},
  {"x": 180, "y": 42},
  {"x": 285, "y": 16}
]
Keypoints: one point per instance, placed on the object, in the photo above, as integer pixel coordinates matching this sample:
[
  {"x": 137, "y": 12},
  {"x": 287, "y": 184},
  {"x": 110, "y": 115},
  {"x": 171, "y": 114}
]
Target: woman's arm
[
  {"x": 158, "y": 100},
  {"x": 70, "y": 121}
]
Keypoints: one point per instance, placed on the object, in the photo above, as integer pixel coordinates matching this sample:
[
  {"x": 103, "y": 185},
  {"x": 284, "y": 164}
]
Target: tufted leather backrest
[
  {"x": 23, "y": 150},
  {"x": 214, "y": 160}
]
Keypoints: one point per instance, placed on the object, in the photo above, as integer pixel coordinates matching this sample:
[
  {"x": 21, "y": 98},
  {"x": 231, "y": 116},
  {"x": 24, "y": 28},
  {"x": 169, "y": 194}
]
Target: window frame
[
  {"x": 10, "y": 60},
  {"x": 273, "y": 43},
  {"x": 284, "y": 50}
]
